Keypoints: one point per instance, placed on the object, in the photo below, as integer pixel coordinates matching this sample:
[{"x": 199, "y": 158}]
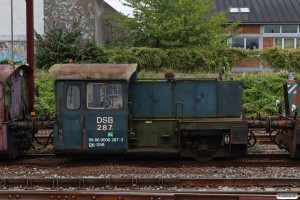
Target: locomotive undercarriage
[
  {"x": 18, "y": 141},
  {"x": 21, "y": 134},
  {"x": 288, "y": 140},
  {"x": 206, "y": 145}
]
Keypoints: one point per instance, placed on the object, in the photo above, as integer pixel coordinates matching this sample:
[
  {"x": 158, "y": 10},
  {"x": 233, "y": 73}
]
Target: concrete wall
[{"x": 88, "y": 14}]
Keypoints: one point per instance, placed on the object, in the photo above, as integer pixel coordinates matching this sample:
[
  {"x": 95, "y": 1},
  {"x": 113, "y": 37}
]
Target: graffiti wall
[
  {"x": 19, "y": 51},
  {"x": 65, "y": 13},
  {"x": 19, "y": 28}
]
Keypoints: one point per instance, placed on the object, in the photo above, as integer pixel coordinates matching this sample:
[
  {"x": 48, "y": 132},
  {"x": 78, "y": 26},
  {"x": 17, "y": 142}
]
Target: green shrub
[
  {"x": 60, "y": 45},
  {"x": 45, "y": 102},
  {"x": 92, "y": 53},
  {"x": 180, "y": 59},
  {"x": 3, "y": 62},
  {"x": 261, "y": 91}
]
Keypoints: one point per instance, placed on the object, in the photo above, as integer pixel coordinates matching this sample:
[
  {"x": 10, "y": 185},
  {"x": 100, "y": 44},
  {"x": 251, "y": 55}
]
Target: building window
[
  {"x": 272, "y": 28},
  {"x": 238, "y": 42},
  {"x": 252, "y": 43},
  {"x": 281, "y": 29},
  {"x": 289, "y": 28},
  {"x": 246, "y": 43},
  {"x": 239, "y": 10},
  {"x": 278, "y": 42},
  {"x": 287, "y": 43}
]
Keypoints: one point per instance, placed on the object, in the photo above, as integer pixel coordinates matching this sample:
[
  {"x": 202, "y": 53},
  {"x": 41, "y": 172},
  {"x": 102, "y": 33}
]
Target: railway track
[
  {"x": 135, "y": 183},
  {"x": 144, "y": 195},
  {"x": 251, "y": 160},
  {"x": 155, "y": 189},
  {"x": 32, "y": 178}
]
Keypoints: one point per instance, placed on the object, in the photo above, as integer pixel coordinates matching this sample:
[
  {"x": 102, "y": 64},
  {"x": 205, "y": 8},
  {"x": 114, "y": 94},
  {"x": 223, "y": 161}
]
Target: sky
[
  {"x": 117, "y": 4},
  {"x": 20, "y": 16}
]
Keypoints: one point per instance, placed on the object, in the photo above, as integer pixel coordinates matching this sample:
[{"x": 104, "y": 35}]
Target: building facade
[
  {"x": 89, "y": 15},
  {"x": 264, "y": 23}
]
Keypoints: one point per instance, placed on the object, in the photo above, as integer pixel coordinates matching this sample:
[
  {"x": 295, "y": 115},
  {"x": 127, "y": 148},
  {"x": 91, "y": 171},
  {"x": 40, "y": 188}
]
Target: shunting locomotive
[{"x": 105, "y": 109}]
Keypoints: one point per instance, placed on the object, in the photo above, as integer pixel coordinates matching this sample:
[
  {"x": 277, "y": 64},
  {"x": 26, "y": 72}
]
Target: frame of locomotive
[{"x": 105, "y": 109}]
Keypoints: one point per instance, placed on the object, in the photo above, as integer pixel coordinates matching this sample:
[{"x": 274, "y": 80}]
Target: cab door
[
  {"x": 106, "y": 117},
  {"x": 71, "y": 115}
]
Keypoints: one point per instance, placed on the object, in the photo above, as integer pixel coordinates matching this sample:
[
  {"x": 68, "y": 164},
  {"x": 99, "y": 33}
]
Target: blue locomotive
[{"x": 105, "y": 109}]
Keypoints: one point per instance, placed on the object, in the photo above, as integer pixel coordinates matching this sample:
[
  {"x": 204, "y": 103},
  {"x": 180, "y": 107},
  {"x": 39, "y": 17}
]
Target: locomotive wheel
[{"x": 251, "y": 139}]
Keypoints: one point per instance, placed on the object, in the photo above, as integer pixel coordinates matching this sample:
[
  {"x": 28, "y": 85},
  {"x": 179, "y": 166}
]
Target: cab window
[
  {"x": 104, "y": 96},
  {"x": 73, "y": 98}
]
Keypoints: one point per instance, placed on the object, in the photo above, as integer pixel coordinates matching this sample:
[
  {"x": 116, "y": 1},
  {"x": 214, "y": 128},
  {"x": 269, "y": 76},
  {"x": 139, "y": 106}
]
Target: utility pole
[
  {"x": 12, "y": 29},
  {"x": 30, "y": 50}
]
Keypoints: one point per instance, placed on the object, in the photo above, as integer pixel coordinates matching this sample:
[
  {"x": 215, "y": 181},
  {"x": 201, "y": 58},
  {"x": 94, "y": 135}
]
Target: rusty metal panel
[
  {"x": 156, "y": 133},
  {"x": 15, "y": 108},
  {"x": 1, "y": 116},
  {"x": 239, "y": 133},
  {"x": 198, "y": 98},
  {"x": 93, "y": 71},
  {"x": 152, "y": 99},
  {"x": 5, "y": 72},
  {"x": 230, "y": 98},
  {"x": 208, "y": 123}
]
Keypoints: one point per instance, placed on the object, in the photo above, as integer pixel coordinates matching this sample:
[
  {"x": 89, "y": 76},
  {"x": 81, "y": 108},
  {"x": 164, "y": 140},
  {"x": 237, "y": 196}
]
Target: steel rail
[
  {"x": 145, "y": 195},
  {"x": 134, "y": 182}
]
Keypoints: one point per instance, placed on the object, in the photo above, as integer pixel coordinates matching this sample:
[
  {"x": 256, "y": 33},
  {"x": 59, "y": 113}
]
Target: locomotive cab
[
  {"x": 92, "y": 107},
  {"x": 14, "y": 106}
]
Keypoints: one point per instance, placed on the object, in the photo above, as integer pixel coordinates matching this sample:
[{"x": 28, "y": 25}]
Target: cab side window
[
  {"x": 73, "y": 98},
  {"x": 104, "y": 96}
]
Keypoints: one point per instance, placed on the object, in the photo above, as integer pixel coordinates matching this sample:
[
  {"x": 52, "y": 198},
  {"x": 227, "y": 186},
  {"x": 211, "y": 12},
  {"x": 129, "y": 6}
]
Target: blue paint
[{"x": 20, "y": 53}]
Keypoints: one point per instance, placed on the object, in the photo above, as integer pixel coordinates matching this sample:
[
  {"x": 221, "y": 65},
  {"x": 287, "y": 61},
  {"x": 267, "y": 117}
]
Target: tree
[
  {"x": 174, "y": 23},
  {"x": 58, "y": 45}
]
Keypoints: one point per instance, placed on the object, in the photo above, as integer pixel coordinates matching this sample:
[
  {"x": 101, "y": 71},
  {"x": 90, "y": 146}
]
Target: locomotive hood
[
  {"x": 93, "y": 71},
  {"x": 7, "y": 70}
]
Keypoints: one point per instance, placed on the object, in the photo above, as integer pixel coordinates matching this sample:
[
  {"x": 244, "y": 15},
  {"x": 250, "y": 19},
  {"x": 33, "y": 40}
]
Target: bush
[
  {"x": 59, "y": 45},
  {"x": 180, "y": 59},
  {"x": 261, "y": 91},
  {"x": 45, "y": 102},
  {"x": 92, "y": 53},
  {"x": 147, "y": 58},
  {"x": 282, "y": 59}
]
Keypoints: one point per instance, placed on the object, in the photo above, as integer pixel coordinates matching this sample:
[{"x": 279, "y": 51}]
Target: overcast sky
[
  {"x": 20, "y": 15},
  {"x": 117, "y": 4}
]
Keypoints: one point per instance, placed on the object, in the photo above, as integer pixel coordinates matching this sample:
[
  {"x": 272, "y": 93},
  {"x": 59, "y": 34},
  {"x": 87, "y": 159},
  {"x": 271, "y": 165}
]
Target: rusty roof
[
  {"x": 93, "y": 71},
  {"x": 7, "y": 70}
]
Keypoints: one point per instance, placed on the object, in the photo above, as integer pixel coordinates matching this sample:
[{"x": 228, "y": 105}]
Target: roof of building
[{"x": 261, "y": 11}]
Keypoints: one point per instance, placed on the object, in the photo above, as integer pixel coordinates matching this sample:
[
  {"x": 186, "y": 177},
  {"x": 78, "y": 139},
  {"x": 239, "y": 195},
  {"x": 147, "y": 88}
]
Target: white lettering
[
  {"x": 105, "y": 123},
  {"x": 105, "y": 120}
]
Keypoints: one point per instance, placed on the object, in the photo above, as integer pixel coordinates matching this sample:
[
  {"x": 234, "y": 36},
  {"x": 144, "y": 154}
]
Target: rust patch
[
  {"x": 6, "y": 71},
  {"x": 93, "y": 71}
]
